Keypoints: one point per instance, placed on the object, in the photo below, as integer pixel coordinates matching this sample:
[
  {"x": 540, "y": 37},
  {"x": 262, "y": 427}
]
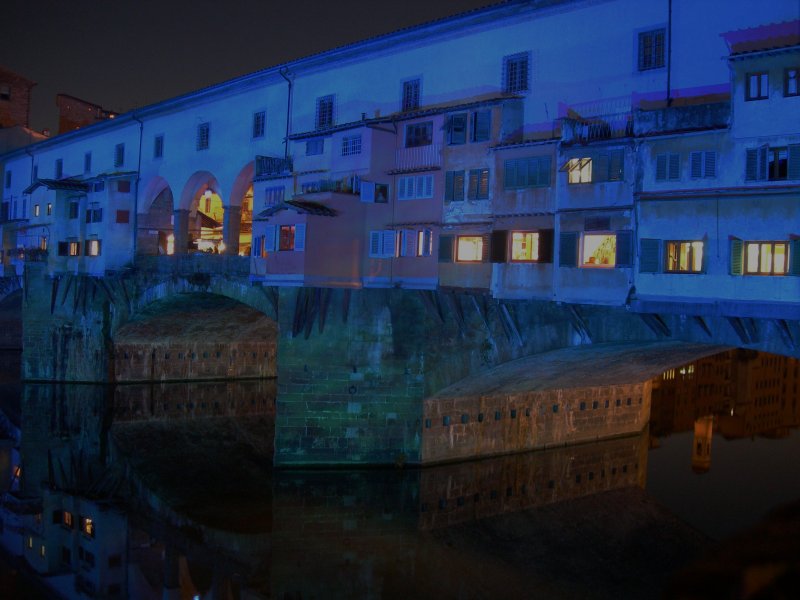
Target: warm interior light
[{"x": 170, "y": 244}]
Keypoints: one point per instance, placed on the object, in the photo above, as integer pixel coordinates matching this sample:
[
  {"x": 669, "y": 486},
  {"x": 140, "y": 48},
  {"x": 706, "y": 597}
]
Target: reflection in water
[{"x": 167, "y": 491}]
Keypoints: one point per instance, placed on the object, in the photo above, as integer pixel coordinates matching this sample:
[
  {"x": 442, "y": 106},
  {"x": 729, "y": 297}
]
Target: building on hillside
[
  {"x": 15, "y": 99},
  {"x": 74, "y": 113}
]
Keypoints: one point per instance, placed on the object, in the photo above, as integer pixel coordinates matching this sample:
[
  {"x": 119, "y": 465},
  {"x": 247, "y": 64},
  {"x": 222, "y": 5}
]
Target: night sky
[{"x": 129, "y": 53}]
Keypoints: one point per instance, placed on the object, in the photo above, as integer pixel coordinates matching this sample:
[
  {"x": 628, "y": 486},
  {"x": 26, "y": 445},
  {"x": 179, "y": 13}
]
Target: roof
[
  {"x": 208, "y": 222},
  {"x": 72, "y": 185},
  {"x": 302, "y": 206},
  {"x": 764, "y": 37}
]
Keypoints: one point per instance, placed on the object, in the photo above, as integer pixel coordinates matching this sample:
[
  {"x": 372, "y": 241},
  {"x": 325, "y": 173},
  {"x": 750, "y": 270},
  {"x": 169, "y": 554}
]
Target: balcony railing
[
  {"x": 271, "y": 166},
  {"x": 419, "y": 158},
  {"x": 593, "y": 129}
]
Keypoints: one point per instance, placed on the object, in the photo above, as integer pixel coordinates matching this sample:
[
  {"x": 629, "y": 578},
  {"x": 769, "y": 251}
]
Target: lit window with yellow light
[
  {"x": 469, "y": 248},
  {"x": 766, "y": 258},
  {"x": 684, "y": 257},
  {"x": 599, "y": 250},
  {"x": 87, "y": 526},
  {"x": 524, "y": 246},
  {"x": 579, "y": 170},
  {"x": 93, "y": 248}
]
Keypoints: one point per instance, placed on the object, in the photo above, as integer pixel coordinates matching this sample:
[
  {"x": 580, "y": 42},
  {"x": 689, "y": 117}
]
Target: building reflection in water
[{"x": 167, "y": 491}]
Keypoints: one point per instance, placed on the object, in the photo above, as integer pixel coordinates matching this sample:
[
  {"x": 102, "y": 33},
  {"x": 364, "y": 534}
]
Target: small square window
[
  {"x": 470, "y": 248},
  {"x": 351, "y": 145},
  {"x": 419, "y": 134},
  {"x": 315, "y": 147}
]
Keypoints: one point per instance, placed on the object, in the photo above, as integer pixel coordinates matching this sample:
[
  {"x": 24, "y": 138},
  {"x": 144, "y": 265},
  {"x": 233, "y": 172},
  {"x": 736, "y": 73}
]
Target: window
[
  {"x": 383, "y": 244},
  {"x": 274, "y": 195},
  {"x": 371, "y": 191},
  {"x": 99, "y": 186},
  {"x": 413, "y": 187},
  {"x": 757, "y": 86},
  {"x": 87, "y": 524},
  {"x": 203, "y": 136},
  {"x": 651, "y": 49},
  {"x": 73, "y": 209},
  {"x": 314, "y": 147},
  {"x": 94, "y": 215},
  {"x": 158, "y": 146},
  {"x": 419, "y": 134},
  {"x": 471, "y": 248},
  {"x": 684, "y": 257},
  {"x": 286, "y": 237},
  {"x": 49, "y": 210},
  {"x": 703, "y": 164},
  {"x": 36, "y": 210},
  {"x": 457, "y": 129},
  {"x": 351, "y": 145},
  {"x": 259, "y": 123},
  {"x": 409, "y": 242},
  {"x": 516, "y": 73},
  {"x": 454, "y": 186},
  {"x": 481, "y": 126},
  {"x": 92, "y": 248},
  {"x": 119, "y": 155},
  {"x": 59, "y": 168},
  {"x": 87, "y": 162},
  {"x": 291, "y": 238},
  {"x": 790, "y": 87},
  {"x": 599, "y": 250},
  {"x": 533, "y": 171},
  {"x": 761, "y": 258},
  {"x": 124, "y": 186},
  {"x": 424, "y": 242},
  {"x": 478, "y": 188},
  {"x": 123, "y": 216},
  {"x": 324, "y": 117},
  {"x": 579, "y": 170},
  {"x": 66, "y": 519},
  {"x": 35, "y": 172},
  {"x": 524, "y": 246},
  {"x": 410, "y": 95},
  {"x": 668, "y": 166},
  {"x": 74, "y": 249}
]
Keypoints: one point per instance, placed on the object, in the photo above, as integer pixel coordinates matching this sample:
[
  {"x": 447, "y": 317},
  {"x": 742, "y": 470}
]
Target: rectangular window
[
  {"x": 419, "y": 134},
  {"x": 410, "y": 95},
  {"x": 73, "y": 209},
  {"x": 703, "y": 164},
  {"x": 123, "y": 216},
  {"x": 87, "y": 162},
  {"x": 315, "y": 147},
  {"x": 684, "y": 257},
  {"x": 454, "y": 186},
  {"x": 383, "y": 244},
  {"x": 424, "y": 242},
  {"x": 457, "y": 129},
  {"x": 286, "y": 237},
  {"x": 777, "y": 163},
  {"x": 59, "y": 168},
  {"x": 49, "y": 210},
  {"x": 203, "y": 136},
  {"x": 124, "y": 186},
  {"x": 87, "y": 526},
  {"x": 524, "y": 246},
  {"x": 414, "y": 187},
  {"x": 478, "y": 188},
  {"x": 757, "y": 86},
  {"x": 599, "y": 250},
  {"x": 668, "y": 166},
  {"x": 74, "y": 249},
  {"x": 408, "y": 242},
  {"x": 158, "y": 146},
  {"x": 274, "y": 195},
  {"x": 324, "y": 117},
  {"x": 66, "y": 518},
  {"x": 119, "y": 155},
  {"x": 36, "y": 210},
  {"x": 351, "y": 145},
  {"x": 790, "y": 83},
  {"x": 371, "y": 191},
  {"x": 259, "y": 123},
  {"x": 99, "y": 186},
  {"x": 94, "y": 215},
  {"x": 92, "y": 248},
  {"x": 766, "y": 258},
  {"x": 579, "y": 170},
  {"x": 532, "y": 171},
  {"x": 516, "y": 68},
  {"x": 481, "y": 126},
  {"x": 471, "y": 248},
  {"x": 651, "y": 49}
]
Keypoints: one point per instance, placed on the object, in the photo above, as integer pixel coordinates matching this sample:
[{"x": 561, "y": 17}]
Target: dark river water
[{"x": 168, "y": 492}]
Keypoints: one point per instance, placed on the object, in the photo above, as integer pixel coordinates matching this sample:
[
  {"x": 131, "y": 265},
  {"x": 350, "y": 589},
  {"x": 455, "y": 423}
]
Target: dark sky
[{"x": 128, "y": 53}]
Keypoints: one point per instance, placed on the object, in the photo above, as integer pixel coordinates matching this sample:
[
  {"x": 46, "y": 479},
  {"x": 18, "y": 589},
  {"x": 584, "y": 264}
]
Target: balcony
[
  {"x": 595, "y": 129},
  {"x": 683, "y": 118},
  {"x": 418, "y": 158},
  {"x": 271, "y": 166}
]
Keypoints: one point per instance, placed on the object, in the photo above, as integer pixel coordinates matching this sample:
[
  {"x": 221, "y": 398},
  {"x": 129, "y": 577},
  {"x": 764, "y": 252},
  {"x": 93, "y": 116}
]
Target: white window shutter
[
  {"x": 401, "y": 188},
  {"x": 696, "y": 164},
  {"x": 429, "y": 186},
  {"x": 368, "y": 191},
  {"x": 710, "y": 164},
  {"x": 374, "y": 243},
  {"x": 269, "y": 238},
  {"x": 300, "y": 237},
  {"x": 408, "y": 242},
  {"x": 389, "y": 244}
]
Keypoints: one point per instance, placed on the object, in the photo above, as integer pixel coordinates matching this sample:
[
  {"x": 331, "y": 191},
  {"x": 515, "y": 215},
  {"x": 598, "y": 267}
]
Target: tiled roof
[
  {"x": 302, "y": 206},
  {"x": 771, "y": 36},
  {"x": 72, "y": 185}
]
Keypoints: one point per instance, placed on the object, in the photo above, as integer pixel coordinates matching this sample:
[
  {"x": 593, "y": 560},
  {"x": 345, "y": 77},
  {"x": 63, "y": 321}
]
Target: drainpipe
[
  {"x": 284, "y": 72},
  {"x": 669, "y": 54},
  {"x": 136, "y": 187}
]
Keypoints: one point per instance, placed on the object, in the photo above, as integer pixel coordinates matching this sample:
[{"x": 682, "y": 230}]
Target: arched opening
[
  {"x": 155, "y": 230},
  {"x": 199, "y": 218},
  {"x": 239, "y": 229},
  {"x": 246, "y": 223}
]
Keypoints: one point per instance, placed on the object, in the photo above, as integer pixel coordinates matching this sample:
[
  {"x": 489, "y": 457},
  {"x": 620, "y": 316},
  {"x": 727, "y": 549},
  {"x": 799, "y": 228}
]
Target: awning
[
  {"x": 302, "y": 206},
  {"x": 71, "y": 185},
  {"x": 208, "y": 222}
]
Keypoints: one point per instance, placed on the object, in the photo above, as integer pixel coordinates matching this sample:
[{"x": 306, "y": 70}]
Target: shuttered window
[
  {"x": 457, "y": 129},
  {"x": 624, "y": 253},
  {"x": 649, "y": 255},
  {"x": 383, "y": 243},
  {"x": 526, "y": 172},
  {"x": 568, "y": 249},
  {"x": 413, "y": 187},
  {"x": 756, "y": 164},
  {"x": 446, "y": 248},
  {"x": 737, "y": 257},
  {"x": 478, "y": 184},
  {"x": 454, "y": 186},
  {"x": 481, "y": 126},
  {"x": 668, "y": 166},
  {"x": 203, "y": 136},
  {"x": 408, "y": 242}
]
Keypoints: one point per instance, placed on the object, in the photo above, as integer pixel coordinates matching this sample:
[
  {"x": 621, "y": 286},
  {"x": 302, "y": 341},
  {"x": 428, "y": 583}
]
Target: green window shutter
[
  {"x": 674, "y": 166},
  {"x": 499, "y": 244},
  {"x": 600, "y": 165},
  {"x": 458, "y": 185},
  {"x": 472, "y": 188},
  {"x": 568, "y": 249},
  {"x": 793, "y": 171},
  {"x": 483, "y": 184},
  {"x": 696, "y": 165},
  {"x": 661, "y": 167},
  {"x": 510, "y": 174},
  {"x": 448, "y": 186},
  {"x": 737, "y": 256},
  {"x": 543, "y": 177},
  {"x": 545, "y": 245},
  {"x": 794, "y": 257},
  {"x": 616, "y": 167},
  {"x": 481, "y": 125},
  {"x": 710, "y": 169},
  {"x": 649, "y": 256},
  {"x": 624, "y": 256},
  {"x": 751, "y": 165},
  {"x": 763, "y": 163},
  {"x": 458, "y": 129},
  {"x": 445, "y": 248}
]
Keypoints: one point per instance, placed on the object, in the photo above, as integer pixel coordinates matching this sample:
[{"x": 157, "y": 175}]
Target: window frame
[
  {"x": 410, "y": 94},
  {"x": 203, "y": 139},
  {"x": 317, "y": 145},
  {"x": 763, "y": 86},
  {"x": 537, "y": 164},
  {"x": 657, "y": 59},
  {"x": 351, "y": 145},
  {"x": 579, "y": 164},
  {"x": 786, "y": 92},
  {"x": 87, "y": 162},
  {"x": 583, "y": 263},
  {"x": 534, "y": 251},
  {"x": 119, "y": 155},
  {"x": 418, "y": 134},
  {"x": 515, "y": 65},
  {"x": 324, "y": 116},
  {"x": 158, "y": 146},
  {"x": 482, "y": 248},
  {"x": 746, "y": 246},
  {"x": 259, "y": 125},
  {"x": 672, "y": 262}
]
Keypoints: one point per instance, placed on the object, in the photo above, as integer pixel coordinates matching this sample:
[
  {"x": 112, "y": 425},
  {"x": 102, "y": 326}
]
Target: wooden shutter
[
  {"x": 499, "y": 243},
  {"x": 428, "y": 189},
  {"x": 696, "y": 165},
  {"x": 300, "y": 237},
  {"x": 545, "y": 245},
  {"x": 794, "y": 257},
  {"x": 483, "y": 184},
  {"x": 674, "y": 166},
  {"x": 793, "y": 171},
  {"x": 449, "y": 177},
  {"x": 481, "y": 125},
  {"x": 510, "y": 174},
  {"x": 485, "y": 247},
  {"x": 568, "y": 249},
  {"x": 543, "y": 177},
  {"x": 661, "y": 167},
  {"x": 458, "y": 186},
  {"x": 710, "y": 166},
  {"x": 445, "y": 248},
  {"x": 737, "y": 256},
  {"x": 401, "y": 188},
  {"x": 751, "y": 165},
  {"x": 763, "y": 163},
  {"x": 269, "y": 238},
  {"x": 408, "y": 242},
  {"x": 472, "y": 191},
  {"x": 600, "y": 165},
  {"x": 388, "y": 243},
  {"x": 649, "y": 256},
  {"x": 624, "y": 256},
  {"x": 616, "y": 167},
  {"x": 458, "y": 128}
]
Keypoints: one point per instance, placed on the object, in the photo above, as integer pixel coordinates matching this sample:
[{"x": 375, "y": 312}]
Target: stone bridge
[{"x": 353, "y": 365}]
